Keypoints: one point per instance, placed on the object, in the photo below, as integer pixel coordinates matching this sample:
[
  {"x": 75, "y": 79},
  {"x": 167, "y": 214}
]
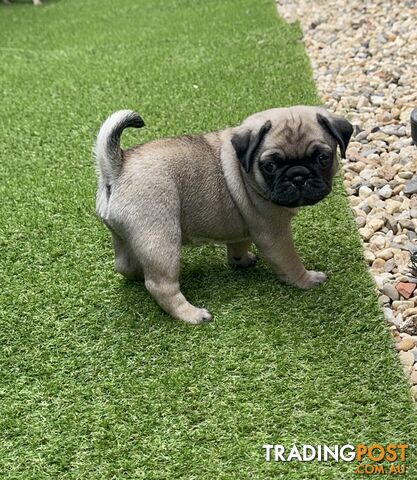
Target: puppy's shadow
[{"x": 207, "y": 280}]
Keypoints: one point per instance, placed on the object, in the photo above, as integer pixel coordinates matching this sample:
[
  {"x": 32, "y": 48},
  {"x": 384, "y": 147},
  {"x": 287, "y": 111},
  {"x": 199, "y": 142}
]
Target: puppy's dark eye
[
  {"x": 323, "y": 159},
  {"x": 269, "y": 168}
]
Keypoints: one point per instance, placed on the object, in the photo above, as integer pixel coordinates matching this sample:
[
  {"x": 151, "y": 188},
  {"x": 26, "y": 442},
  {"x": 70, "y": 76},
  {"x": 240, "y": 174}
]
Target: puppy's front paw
[
  {"x": 247, "y": 260},
  {"x": 310, "y": 279}
]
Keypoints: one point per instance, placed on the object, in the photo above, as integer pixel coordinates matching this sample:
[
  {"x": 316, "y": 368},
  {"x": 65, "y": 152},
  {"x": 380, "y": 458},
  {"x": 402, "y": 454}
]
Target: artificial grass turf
[{"x": 96, "y": 381}]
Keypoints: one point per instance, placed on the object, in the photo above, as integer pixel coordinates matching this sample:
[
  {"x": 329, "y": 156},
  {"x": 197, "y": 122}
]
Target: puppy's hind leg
[
  {"x": 160, "y": 258},
  {"x": 238, "y": 254},
  {"x": 125, "y": 262}
]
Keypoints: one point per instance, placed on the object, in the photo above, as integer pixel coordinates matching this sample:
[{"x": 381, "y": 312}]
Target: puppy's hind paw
[
  {"x": 196, "y": 316},
  {"x": 204, "y": 316},
  {"x": 247, "y": 260},
  {"x": 310, "y": 279}
]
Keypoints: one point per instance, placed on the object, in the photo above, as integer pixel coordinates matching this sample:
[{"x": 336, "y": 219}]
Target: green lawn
[{"x": 96, "y": 382}]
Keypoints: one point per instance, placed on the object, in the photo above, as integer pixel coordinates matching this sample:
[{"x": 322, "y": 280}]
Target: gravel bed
[{"x": 364, "y": 60}]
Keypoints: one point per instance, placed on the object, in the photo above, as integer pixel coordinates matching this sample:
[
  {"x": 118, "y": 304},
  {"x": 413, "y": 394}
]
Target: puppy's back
[{"x": 186, "y": 170}]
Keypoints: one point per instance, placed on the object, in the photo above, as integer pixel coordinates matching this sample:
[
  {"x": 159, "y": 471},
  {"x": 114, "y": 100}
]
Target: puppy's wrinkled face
[{"x": 290, "y": 154}]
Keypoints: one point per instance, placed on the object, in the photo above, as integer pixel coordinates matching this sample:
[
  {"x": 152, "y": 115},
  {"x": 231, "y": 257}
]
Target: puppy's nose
[
  {"x": 298, "y": 175},
  {"x": 298, "y": 170},
  {"x": 299, "y": 180}
]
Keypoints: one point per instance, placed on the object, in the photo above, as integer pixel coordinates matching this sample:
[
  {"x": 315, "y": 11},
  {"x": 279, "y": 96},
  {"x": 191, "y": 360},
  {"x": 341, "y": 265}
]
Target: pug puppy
[{"x": 237, "y": 186}]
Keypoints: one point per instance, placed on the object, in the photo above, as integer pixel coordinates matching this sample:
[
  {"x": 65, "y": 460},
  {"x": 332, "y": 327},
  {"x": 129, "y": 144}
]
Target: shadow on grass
[{"x": 247, "y": 295}]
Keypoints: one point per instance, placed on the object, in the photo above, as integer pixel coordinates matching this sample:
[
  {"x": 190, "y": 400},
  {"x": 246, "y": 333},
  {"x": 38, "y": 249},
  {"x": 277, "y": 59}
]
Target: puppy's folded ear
[
  {"x": 247, "y": 141},
  {"x": 339, "y": 128}
]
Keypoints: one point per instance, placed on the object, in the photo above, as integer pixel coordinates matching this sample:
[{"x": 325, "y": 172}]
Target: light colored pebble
[
  {"x": 406, "y": 344},
  {"x": 364, "y": 191},
  {"x": 408, "y": 312},
  {"x": 369, "y": 257},
  {"x": 413, "y": 377},
  {"x": 376, "y": 224},
  {"x": 386, "y": 254},
  {"x": 407, "y": 358},
  {"x": 391, "y": 292},
  {"x": 402, "y": 305},
  {"x": 378, "y": 264},
  {"x": 366, "y": 233},
  {"x": 385, "y": 192}
]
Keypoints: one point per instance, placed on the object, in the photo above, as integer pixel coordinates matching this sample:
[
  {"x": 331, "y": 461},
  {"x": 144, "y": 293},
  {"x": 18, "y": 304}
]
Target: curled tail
[{"x": 107, "y": 148}]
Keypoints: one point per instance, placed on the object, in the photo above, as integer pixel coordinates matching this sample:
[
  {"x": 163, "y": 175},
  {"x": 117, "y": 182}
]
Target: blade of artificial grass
[{"x": 96, "y": 381}]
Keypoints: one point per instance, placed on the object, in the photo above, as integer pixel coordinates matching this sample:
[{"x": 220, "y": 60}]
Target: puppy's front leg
[{"x": 277, "y": 246}]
